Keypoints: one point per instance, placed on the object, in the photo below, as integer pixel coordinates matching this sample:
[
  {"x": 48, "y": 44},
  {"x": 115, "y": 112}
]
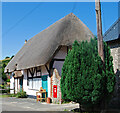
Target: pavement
[{"x": 28, "y": 104}]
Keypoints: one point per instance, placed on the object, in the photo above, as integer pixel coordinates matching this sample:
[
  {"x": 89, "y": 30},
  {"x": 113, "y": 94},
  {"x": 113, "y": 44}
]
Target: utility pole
[{"x": 99, "y": 29}]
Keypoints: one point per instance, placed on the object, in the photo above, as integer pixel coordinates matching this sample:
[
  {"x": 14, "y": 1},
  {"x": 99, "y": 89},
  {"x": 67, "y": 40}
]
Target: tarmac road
[{"x": 28, "y": 104}]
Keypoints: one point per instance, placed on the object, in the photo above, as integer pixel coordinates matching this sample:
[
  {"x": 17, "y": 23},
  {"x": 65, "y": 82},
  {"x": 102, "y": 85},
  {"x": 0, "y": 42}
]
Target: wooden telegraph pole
[
  {"x": 100, "y": 41},
  {"x": 99, "y": 29}
]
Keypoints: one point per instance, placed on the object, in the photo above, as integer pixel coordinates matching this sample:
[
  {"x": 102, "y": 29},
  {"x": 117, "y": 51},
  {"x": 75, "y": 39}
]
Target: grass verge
[{"x": 3, "y": 96}]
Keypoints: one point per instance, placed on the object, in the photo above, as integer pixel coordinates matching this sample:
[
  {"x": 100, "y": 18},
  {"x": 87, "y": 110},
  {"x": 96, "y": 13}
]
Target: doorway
[
  {"x": 21, "y": 84},
  {"x": 45, "y": 83}
]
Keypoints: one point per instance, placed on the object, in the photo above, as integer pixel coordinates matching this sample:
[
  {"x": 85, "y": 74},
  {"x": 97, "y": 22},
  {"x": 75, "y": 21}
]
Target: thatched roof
[{"x": 40, "y": 48}]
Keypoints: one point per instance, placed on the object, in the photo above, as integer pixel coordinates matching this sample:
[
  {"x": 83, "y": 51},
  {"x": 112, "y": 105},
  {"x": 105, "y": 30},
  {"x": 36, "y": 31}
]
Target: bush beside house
[
  {"x": 21, "y": 94},
  {"x": 85, "y": 79}
]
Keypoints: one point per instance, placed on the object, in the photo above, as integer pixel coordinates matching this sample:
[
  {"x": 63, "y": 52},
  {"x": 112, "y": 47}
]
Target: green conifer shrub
[{"x": 85, "y": 79}]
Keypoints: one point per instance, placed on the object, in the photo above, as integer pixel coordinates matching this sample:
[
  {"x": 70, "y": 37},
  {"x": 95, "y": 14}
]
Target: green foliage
[
  {"x": 12, "y": 95},
  {"x": 21, "y": 94},
  {"x": 8, "y": 90},
  {"x": 3, "y": 64},
  {"x": 4, "y": 77},
  {"x": 8, "y": 80},
  {"x": 4, "y": 88},
  {"x": 65, "y": 110},
  {"x": 12, "y": 56},
  {"x": 65, "y": 102},
  {"x": 3, "y": 96},
  {"x": 109, "y": 72},
  {"x": 84, "y": 77},
  {"x": 7, "y": 57},
  {"x": 5, "y": 91}
]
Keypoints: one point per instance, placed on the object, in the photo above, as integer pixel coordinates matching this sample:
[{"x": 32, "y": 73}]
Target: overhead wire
[
  {"x": 21, "y": 19},
  {"x": 74, "y": 6},
  {"x": 103, "y": 17}
]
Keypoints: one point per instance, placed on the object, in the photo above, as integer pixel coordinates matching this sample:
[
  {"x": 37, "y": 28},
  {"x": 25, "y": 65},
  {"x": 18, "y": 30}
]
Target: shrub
[
  {"x": 12, "y": 95},
  {"x": 7, "y": 57},
  {"x": 8, "y": 80},
  {"x": 8, "y": 90},
  {"x": 84, "y": 77},
  {"x": 21, "y": 94},
  {"x": 2, "y": 86},
  {"x": 3, "y": 91}
]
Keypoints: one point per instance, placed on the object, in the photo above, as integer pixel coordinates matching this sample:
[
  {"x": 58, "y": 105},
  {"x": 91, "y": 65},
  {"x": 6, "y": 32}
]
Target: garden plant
[{"x": 85, "y": 78}]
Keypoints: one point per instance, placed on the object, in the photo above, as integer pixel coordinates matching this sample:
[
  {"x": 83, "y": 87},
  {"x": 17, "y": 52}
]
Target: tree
[
  {"x": 4, "y": 77},
  {"x": 3, "y": 64},
  {"x": 7, "y": 57},
  {"x": 84, "y": 77},
  {"x": 12, "y": 56},
  {"x": 109, "y": 71}
]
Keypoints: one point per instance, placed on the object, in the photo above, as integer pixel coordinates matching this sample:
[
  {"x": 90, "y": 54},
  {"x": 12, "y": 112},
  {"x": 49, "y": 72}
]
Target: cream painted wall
[
  {"x": 57, "y": 64},
  {"x": 60, "y": 55},
  {"x": 26, "y": 88},
  {"x": 15, "y": 85},
  {"x": 33, "y": 91},
  {"x": 11, "y": 84},
  {"x": 114, "y": 53}
]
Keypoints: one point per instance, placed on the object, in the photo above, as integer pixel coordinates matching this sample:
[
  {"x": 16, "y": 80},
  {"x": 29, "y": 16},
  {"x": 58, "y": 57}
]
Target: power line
[
  {"x": 103, "y": 16},
  {"x": 74, "y": 6},
  {"x": 21, "y": 19}
]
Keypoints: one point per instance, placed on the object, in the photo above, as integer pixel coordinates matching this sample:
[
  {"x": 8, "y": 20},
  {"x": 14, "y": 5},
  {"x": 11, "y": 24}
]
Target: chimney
[{"x": 25, "y": 41}]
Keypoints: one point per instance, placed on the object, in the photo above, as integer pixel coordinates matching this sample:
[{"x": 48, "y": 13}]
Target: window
[{"x": 36, "y": 83}]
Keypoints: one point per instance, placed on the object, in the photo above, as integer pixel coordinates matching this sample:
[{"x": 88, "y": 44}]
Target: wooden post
[
  {"x": 22, "y": 81},
  {"x": 99, "y": 29},
  {"x": 14, "y": 85},
  {"x": 17, "y": 84}
]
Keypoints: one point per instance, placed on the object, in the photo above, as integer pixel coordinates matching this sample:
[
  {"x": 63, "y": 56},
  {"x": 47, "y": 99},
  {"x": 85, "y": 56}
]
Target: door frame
[
  {"x": 21, "y": 85},
  {"x": 46, "y": 82}
]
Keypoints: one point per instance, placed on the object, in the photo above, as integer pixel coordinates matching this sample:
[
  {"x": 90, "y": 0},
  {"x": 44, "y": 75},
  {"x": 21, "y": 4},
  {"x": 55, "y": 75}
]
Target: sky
[{"x": 22, "y": 20}]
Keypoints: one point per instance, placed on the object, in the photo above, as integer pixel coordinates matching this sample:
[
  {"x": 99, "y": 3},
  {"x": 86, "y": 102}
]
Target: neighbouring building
[
  {"x": 112, "y": 37},
  {"x": 39, "y": 62}
]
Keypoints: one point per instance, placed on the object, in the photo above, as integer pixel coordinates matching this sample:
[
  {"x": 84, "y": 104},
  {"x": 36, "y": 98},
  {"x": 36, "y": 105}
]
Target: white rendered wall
[
  {"x": 49, "y": 86},
  {"x": 60, "y": 55},
  {"x": 32, "y": 91},
  {"x": 18, "y": 85},
  {"x": 15, "y": 85},
  {"x": 58, "y": 65},
  {"x": 25, "y": 87},
  {"x": 11, "y": 84}
]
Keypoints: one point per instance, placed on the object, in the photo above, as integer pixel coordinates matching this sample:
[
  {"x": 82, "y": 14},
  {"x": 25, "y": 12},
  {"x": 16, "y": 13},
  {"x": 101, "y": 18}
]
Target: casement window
[
  {"x": 34, "y": 78},
  {"x": 35, "y": 83}
]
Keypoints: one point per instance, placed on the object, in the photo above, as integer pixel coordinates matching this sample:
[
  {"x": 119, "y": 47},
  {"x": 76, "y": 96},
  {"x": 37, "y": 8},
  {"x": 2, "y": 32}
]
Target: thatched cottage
[{"x": 40, "y": 60}]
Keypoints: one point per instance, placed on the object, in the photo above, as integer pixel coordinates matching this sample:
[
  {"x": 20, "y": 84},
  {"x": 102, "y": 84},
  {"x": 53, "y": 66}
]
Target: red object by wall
[{"x": 55, "y": 91}]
